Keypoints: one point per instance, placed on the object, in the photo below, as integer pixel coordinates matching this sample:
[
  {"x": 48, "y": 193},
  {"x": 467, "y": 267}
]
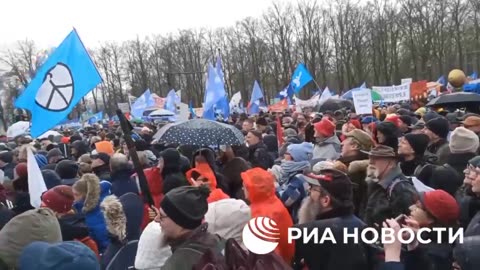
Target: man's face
[
  {"x": 170, "y": 229},
  {"x": 380, "y": 137},
  {"x": 262, "y": 128},
  {"x": 247, "y": 126},
  {"x": 301, "y": 119},
  {"x": 251, "y": 139},
  {"x": 470, "y": 173},
  {"x": 349, "y": 147},
  {"x": 403, "y": 127},
  {"x": 380, "y": 166},
  {"x": 404, "y": 148},
  {"x": 476, "y": 182}
]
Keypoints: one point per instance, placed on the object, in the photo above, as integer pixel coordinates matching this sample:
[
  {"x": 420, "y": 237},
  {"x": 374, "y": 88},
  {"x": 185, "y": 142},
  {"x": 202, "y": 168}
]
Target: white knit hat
[{"x": 463, "y": 141}]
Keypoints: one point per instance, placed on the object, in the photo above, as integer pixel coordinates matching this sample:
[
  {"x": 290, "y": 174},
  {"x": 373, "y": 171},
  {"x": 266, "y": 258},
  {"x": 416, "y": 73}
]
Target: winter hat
[
  {"x": 393, "y": 119},
  {"x": 59, "y": 199},
  {"x": 439, "y": 126},
  {"x": 51, "y": 178},
  {"x": 262, "y": 121},
  {"x": 362, "y": 138},
  {"x": 6, "y": 156},
  {"x": 33, "y": 225},
  {"x": 441, "y": 206},
  {"x": 170, "y": 155},
  {"x": 104, "y": 147},
  {"x": 186, "y": 206},
  {"x": 67, "y": 169},
  {"x": 21, "y": 169},
  {"x": 41, "y": 160},
  {"x": 471, "y": 121},
  {"x": 475, "y": 162},
  {"x": 418, "y": 142},
  {"x": 300, "y": 152},
  {"x": 55, "y": 152},
  {"x": 325, "y": 127},
  {"x": 368, "y": 119},
  {"x": 290, "y": 132},
  {"x": 429, "y": 116},
  {"x": 337, "y": 183},
  {"x": 407, "y": 120},
  {"x": 463, "y": 141},
  {"x": 102, "y": 156},
  {"x": 256, "y": 133},
  {"x": 68, "y": 255}
]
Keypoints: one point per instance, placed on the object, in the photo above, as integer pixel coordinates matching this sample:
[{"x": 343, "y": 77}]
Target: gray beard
[{"x": 308, "y": 211}]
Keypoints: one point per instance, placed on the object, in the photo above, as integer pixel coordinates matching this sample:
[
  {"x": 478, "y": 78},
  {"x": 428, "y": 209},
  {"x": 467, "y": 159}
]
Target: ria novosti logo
[{"x": 261, "y": 235}]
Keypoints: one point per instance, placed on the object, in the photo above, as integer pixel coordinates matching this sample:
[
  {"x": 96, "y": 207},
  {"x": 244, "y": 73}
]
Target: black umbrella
[
  {"x": 200, "y": 132},
  {"x": 334, "y": 104},
  {"x": 459, "y": 97}
]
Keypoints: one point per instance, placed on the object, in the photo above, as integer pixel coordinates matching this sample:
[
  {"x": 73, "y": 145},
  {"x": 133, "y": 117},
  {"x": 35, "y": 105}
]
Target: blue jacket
[
  {"x": 95, "y": 220},
  {"x": 292, "y": 194},
  {"x": 122, "y": 182}
]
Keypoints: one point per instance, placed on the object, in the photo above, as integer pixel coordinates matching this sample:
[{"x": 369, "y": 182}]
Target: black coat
[
  {"x": 73, "y": 227},
  {"x": 123, "y": 183},
  {"x": 8, "y": 170},
  {"x": 386, "y": 200},
  {"x": 258, "y": 156},
  {"x": 328, "y": 255}
]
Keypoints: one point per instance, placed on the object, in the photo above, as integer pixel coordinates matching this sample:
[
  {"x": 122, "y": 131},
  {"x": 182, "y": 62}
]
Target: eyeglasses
[{"x": 315, "y": 188}]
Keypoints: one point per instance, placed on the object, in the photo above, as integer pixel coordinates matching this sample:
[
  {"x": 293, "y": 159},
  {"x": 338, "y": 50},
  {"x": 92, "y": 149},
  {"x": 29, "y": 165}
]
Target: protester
[
  {"x": 387, "y": 133},
  {"x": 472, "y": 123},
  {"x": 329, "y": 204},
  {"x": 411, "y": 150},
  {"x": 232, "y": 167},
  {"x": 390, "y": 193},
  {"x": 327, "y": 145},
  {"x": 24, "y": 229},
  {"x": 259, "y": 190},
  {"x": 88, "y": 193},
  {"x": 68, "y": 255},
  {"x": 121, "y": 172},
  {"x": 6, "y": 164},
  {"x": 78, "y": 148},
  {"x": 180, "y": 216},
  {"x": 437, "y": 131},
  {"x": 247, "y": 125},
  {"x": 67, "y": 170},
  {"x": 258, "y": 152},
  {"x": 202, "y": 174},
  {"x": 101, "y": 166}
]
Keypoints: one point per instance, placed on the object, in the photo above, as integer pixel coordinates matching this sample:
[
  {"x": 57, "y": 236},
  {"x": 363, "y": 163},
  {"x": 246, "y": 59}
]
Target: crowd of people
[{"x": 396, "y": 168}]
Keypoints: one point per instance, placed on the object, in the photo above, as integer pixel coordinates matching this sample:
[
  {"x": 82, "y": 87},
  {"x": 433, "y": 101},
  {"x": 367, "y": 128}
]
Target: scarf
[{"x": 291, "y": 168}]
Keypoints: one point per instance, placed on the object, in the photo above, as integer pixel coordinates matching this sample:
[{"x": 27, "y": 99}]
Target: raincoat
[{"x": 204, "y": 170}]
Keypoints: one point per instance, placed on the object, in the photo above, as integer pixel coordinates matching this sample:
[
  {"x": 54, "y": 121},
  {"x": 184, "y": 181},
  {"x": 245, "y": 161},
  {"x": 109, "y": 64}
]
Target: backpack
[{"x": 125, "y": 257}]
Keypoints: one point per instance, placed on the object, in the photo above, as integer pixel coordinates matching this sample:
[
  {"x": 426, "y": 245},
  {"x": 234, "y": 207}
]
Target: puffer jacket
[
  {"x": 94, "y": 217},
  {"x": 328, "y": 149}
]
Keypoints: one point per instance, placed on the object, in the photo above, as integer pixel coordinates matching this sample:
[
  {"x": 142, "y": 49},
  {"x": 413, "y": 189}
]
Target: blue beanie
[
  {"x": 300, "y": 152},
  {"x": 41, "y": 160},
  {"x": 368, "y": 119},
  {"x": 69, "y": 255}
]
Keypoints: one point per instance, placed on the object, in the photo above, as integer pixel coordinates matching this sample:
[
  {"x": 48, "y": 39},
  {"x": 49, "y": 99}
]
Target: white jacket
[{"x": 150, "y": 255}]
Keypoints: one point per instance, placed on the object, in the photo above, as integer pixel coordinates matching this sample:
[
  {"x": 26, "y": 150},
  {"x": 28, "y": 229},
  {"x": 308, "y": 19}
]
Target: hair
[
  {"x": 85, "y": 158},
  {"x": 23, "y": 150},
  {"x": 249, "y": 120},
  {"x": 142, "y": 158},
  {"x": 118, "y": 162},
  {"x": 88, "y": 186}
]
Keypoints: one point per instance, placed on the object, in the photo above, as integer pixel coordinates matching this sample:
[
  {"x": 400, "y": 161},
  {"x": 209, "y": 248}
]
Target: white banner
[
  {"x": 406, "y": 80},
  {"x": 362, "y": 100},
  {"x": 312, "y": 102},
  {"x": 393, "y": 93},
  {"x": 124, "y": 107}
]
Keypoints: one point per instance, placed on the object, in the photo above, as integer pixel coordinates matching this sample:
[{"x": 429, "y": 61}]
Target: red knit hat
[
  {"x": 394, "y": 119},
  {"x": 441, "y": 206},
  {"x": 325, "y": 127},
  {"x": 59, "y": 199},
  {"x": 21, "y": 169}
]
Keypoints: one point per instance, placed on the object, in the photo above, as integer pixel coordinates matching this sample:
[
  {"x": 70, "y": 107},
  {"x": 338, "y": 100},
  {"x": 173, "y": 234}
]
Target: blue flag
[
  {"x": 171, "y": 101},
  {"x": 190, "y": 108},
  {"x": 474, "y": 75},
  {"x": 300, "y": 78},
  {"x": 68, "y": 75},
  {"x": 441, "y": 80},
  {"x": 257, "y": 95},
  {"x": 144, "y": 101},
  {"x": 215, "y": 90},
  {"x": 223, "y": 107},
  {"x": 95, "y": 118}
]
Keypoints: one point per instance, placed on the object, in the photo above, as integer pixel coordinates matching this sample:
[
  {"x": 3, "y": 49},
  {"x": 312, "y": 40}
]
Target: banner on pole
[
  {"x": 362, "y": 100},
  {"x": 394, "y": 93},
  {"x": 406, "y": 80}
]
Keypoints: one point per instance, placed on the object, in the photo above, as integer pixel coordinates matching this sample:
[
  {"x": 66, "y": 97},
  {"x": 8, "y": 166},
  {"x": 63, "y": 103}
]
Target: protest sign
[
  {"x": 124, "y": 107},
  {"x": 362, "y": 100},
  {"x": 393, "y": 93},
  {"x": 406, "y": 81}
]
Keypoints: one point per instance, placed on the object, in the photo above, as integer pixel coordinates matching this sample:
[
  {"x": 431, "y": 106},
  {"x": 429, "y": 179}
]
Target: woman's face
[{"x": 420, "y": 215}]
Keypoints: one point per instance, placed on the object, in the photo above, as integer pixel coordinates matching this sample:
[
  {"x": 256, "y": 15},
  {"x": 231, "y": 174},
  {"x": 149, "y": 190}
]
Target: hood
[
  {"x": 206, "y": 171},
  {"x": 81, "y": 147},
  {"x": 208, "y": 154},
  {"x": 123, "y": 216},
  {"x": 93, "y": 197},
  {"x": 466, "y": 254},
  {"x": 358, "y": 166},
  {"x": 259, "y": 184},
  {"x": 331, "y": 140},
  {"x": 227, "y": 218}
]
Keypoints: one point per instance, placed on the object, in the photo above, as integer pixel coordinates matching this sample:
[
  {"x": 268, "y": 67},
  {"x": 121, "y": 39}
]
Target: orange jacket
[
  {"x": 264, "y": 203},
  {"x": 204, "y": 170}
]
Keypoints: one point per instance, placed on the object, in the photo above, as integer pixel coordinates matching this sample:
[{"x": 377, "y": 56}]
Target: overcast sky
[{"x": 47, "y": 22}]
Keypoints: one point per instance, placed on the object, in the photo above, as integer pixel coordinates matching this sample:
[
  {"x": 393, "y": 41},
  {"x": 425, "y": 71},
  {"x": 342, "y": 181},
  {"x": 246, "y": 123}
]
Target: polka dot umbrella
[{"x": 199, "y": 132}]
